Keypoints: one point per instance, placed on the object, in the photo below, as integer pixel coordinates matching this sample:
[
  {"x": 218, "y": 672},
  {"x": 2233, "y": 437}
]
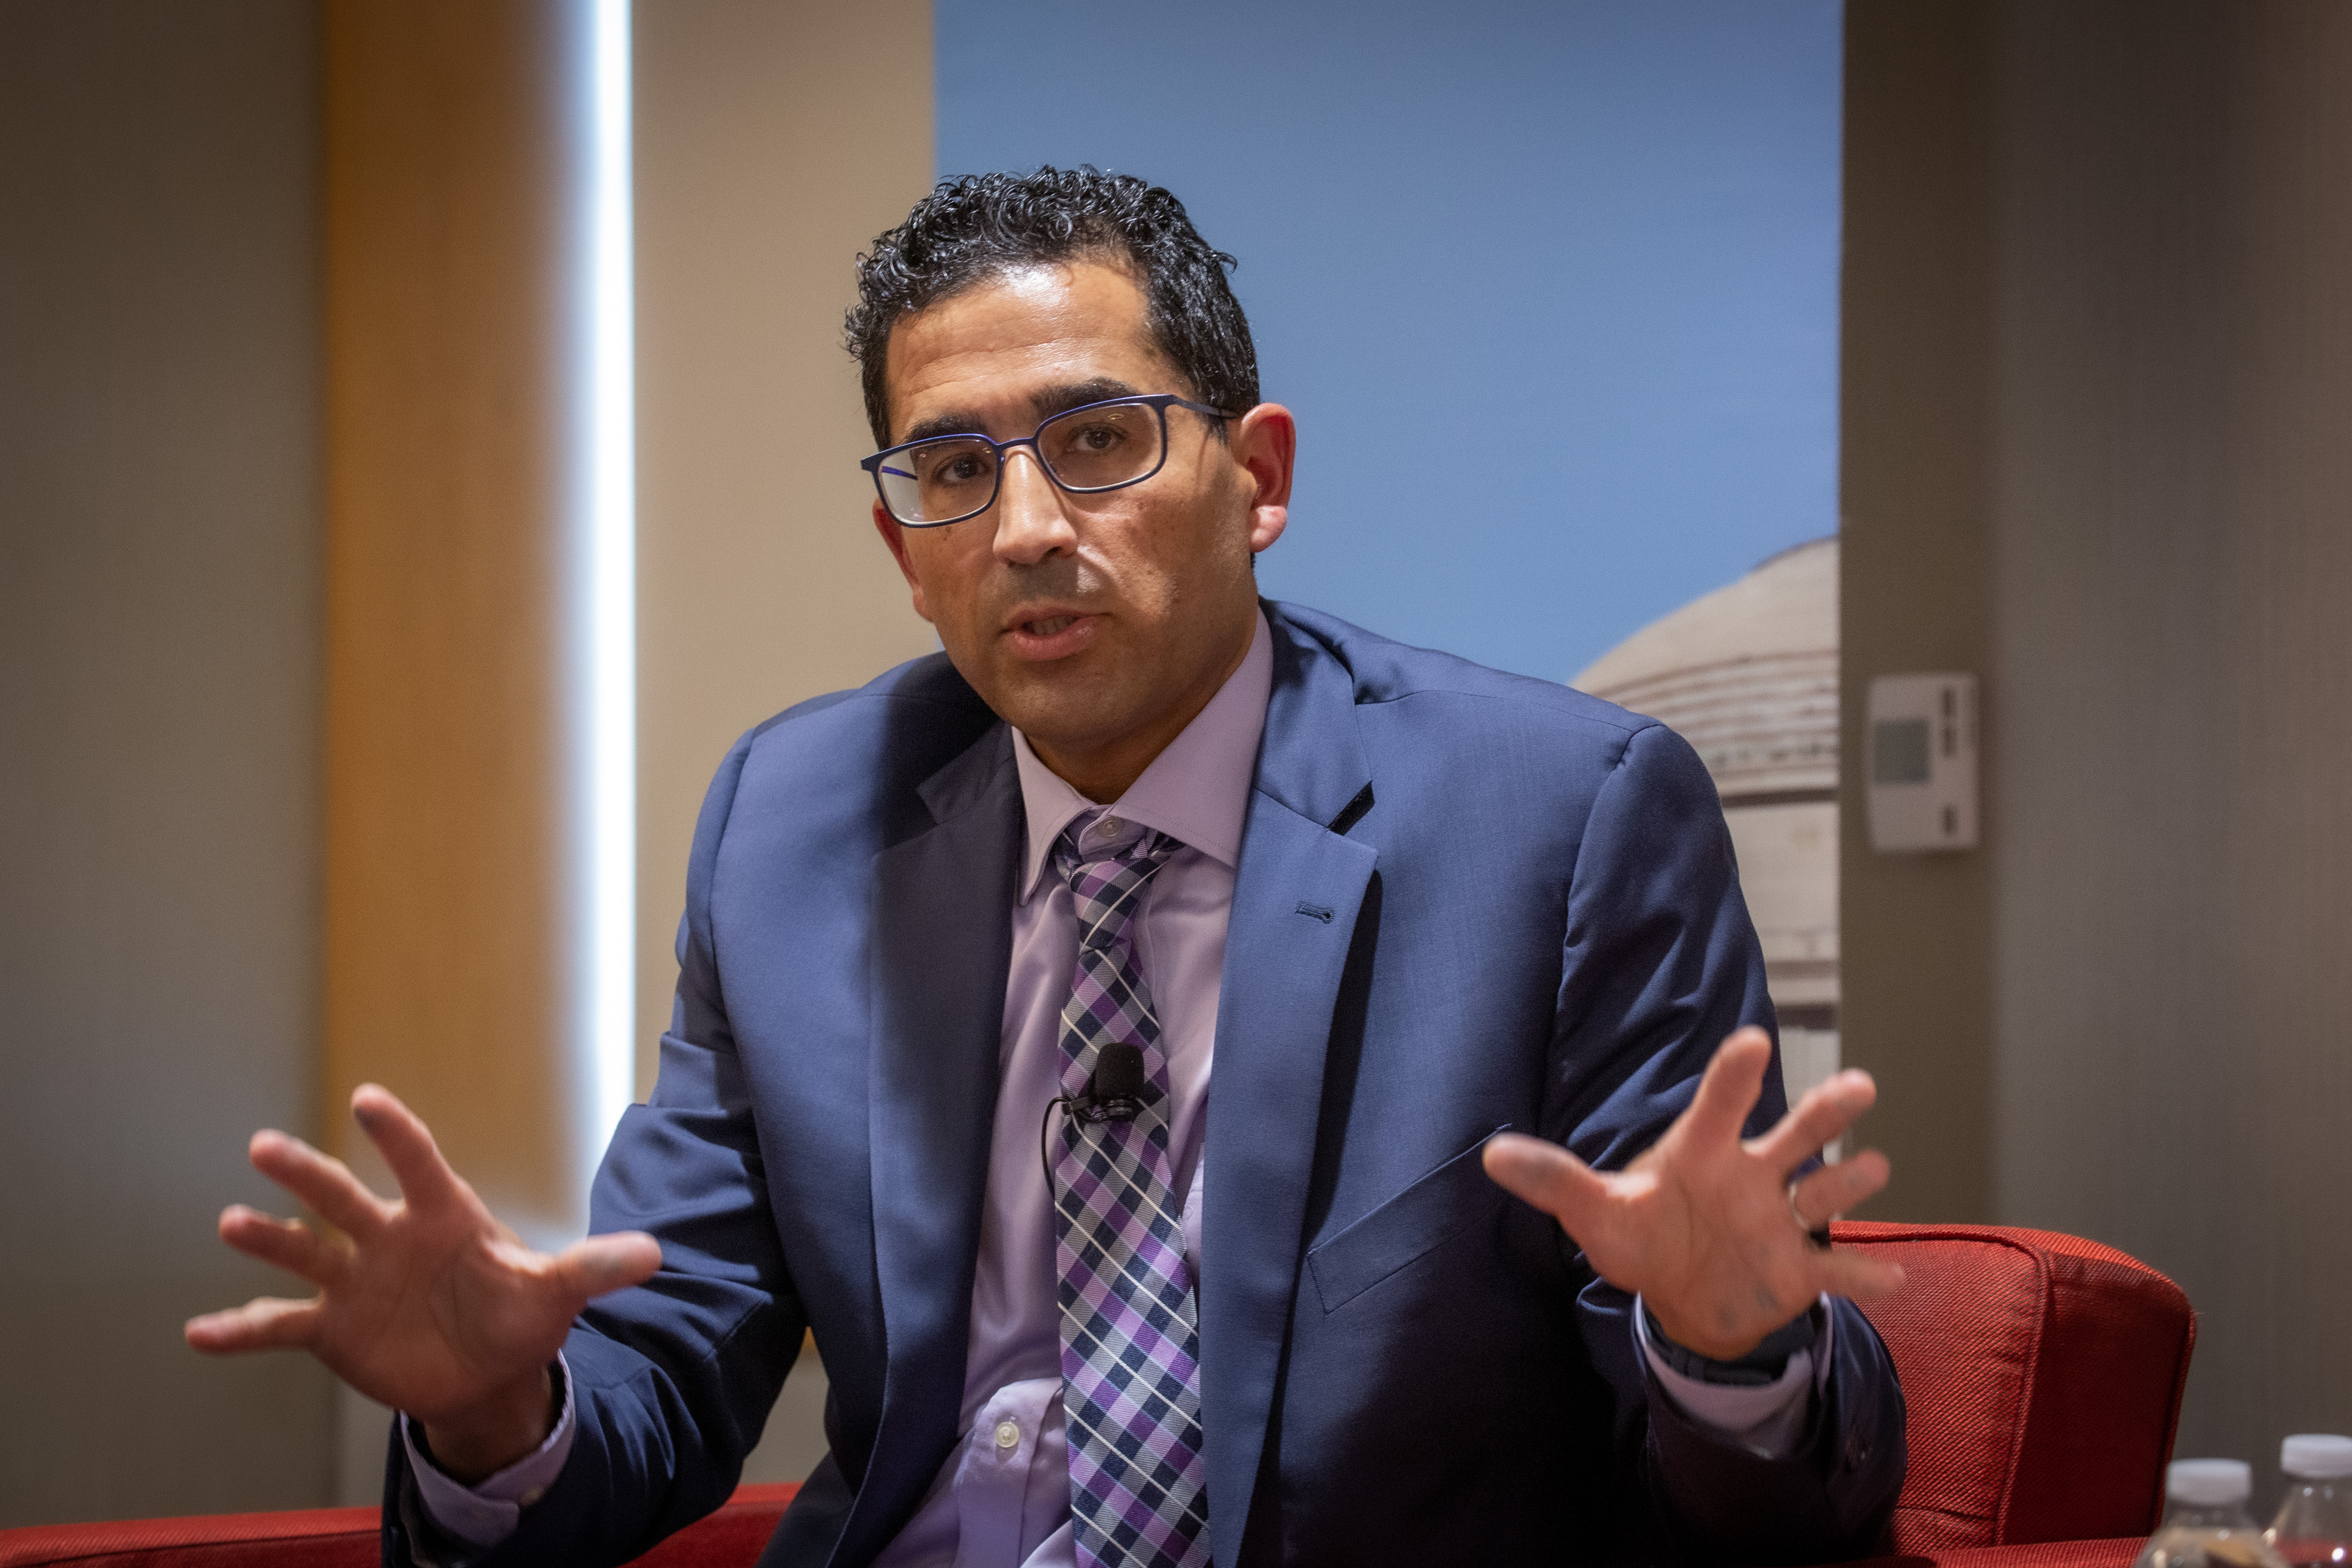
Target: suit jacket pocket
[{"x": 1417, "y": 1221}]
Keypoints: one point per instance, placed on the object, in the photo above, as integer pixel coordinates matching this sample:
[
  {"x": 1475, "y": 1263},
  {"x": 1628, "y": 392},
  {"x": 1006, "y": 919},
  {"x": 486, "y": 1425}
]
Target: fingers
[
  {"x": 1729, "y": 1090},
  {"x": 1828, "y": 1109},
  {"x": 1834, "y": 1189},
  {"x": 1844, "y": 1271},
  {"x": 266, "y": 1322},
  {"x": 407, "y": 1145},
  {"x": 1548, "y": 1176},
  {"x": 603, "y": 1263},
  {"x": 1830, "y": 1192},
  {"x": 288, "y": 1243},
  {"x": 320, "y": 1181}
]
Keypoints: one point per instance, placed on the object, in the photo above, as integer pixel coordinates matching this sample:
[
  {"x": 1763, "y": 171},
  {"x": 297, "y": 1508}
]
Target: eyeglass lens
[{"x": 1085, "y": 450}]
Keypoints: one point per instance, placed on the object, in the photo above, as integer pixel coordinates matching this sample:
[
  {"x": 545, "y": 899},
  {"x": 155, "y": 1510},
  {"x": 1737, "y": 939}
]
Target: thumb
[
  {"x": 603, "y": 1263},
  {"x": 1548, "y": 1176}
]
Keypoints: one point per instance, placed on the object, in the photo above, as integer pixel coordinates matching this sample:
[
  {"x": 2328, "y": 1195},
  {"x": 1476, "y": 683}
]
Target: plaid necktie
[{"x": 1130, "y": 1371}]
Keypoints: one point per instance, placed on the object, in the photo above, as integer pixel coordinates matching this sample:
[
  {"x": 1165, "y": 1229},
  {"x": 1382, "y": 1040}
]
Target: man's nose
[{"x": 1030, "y": 522}]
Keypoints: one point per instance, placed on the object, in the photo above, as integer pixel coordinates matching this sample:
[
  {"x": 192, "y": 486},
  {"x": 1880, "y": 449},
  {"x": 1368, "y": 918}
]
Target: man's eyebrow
[
  {"x": 939, "y": 425},
  {"x": 1050, "y": 401},
  {"x": 1072, "y": 395}
]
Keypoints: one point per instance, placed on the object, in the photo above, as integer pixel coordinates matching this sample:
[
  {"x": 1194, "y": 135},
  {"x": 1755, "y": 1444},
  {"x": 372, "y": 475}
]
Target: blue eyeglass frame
[{"x": 1158, "y": 402}]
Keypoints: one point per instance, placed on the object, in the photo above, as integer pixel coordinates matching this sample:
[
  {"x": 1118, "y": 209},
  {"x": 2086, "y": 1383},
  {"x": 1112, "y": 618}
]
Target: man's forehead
[{"x": 1023, "y": 344}]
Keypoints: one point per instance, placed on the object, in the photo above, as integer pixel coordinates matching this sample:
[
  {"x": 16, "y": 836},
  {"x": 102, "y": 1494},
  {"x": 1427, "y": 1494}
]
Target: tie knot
[{"x": 1108, "y": 863}]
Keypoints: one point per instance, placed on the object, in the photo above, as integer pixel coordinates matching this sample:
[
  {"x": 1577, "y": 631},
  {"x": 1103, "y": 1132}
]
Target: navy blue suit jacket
[{"x": 1465, "y": 902}]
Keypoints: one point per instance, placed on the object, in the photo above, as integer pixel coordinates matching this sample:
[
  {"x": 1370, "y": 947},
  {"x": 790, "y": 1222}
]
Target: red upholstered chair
[
  {"x": 346, "y": 1537},
  {"x": 2043, "y": 1375}
]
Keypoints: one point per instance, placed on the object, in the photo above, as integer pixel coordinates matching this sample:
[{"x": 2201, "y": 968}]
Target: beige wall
[
  {"x": 2171, "y": 536},
  {"x": 771, "y": 149},
  {"x": 773, "y": 141},
  {"x": 159, "y": 738},
  {"x": 2161, "y": 488}
]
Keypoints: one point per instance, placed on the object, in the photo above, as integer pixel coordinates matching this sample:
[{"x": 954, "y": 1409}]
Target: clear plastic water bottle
[
  {"x": 2205, "y": 1522},
  {"x": 2314, "y": 1524}
]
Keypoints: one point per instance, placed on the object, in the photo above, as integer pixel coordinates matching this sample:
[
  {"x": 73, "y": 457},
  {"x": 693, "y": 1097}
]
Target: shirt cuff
[
  {"x": 482, "y": 1516},
  {"x": 1767, "y": 1420}
]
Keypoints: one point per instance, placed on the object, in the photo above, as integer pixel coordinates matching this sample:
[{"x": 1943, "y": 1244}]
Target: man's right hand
[{"x": 429, "y": 1304}]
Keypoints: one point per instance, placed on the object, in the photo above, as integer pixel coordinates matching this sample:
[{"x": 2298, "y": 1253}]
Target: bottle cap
[
  {"x": 2316, "y": 1455},
  {"x": 2209, "y": 1483}
]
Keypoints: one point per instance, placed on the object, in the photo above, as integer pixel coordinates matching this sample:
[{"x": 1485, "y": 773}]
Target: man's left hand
[{"x": 1704, "y": 1226}]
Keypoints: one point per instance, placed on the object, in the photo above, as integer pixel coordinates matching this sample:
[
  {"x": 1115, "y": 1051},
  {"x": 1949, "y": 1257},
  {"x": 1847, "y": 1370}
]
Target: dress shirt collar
[{"x": 1196, "y": 791}]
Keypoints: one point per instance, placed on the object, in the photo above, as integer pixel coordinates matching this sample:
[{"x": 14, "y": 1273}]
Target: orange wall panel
[{"x": 447, "y": 176}]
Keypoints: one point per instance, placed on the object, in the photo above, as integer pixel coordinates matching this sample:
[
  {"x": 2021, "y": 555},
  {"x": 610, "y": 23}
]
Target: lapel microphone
[{"x": 1114, "y": 1093}]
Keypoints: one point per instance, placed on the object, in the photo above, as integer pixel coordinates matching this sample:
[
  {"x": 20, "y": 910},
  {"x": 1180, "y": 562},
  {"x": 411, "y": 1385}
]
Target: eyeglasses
[{"x": 1098, "y": 446}]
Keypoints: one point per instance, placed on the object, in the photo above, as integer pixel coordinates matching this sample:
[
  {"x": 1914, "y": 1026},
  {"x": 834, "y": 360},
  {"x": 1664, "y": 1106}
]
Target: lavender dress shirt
[{"x": 1002, "y": 1499}]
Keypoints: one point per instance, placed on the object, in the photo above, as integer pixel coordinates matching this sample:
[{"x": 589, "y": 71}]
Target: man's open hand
[
  {"x": 428, "y": 1304},
  {"x": 1704, "y": 1226}
]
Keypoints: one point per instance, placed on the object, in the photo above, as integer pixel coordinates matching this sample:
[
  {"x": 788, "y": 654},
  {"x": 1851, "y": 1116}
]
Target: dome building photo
[{"x": 1748, "y": 675}]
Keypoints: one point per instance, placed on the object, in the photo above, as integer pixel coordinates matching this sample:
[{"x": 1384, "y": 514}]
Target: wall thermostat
[{"x": 1923, "y": 762}]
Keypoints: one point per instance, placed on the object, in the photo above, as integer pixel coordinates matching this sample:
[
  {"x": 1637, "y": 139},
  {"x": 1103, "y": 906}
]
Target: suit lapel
[
  {"x": 942, "y": 925},
  {"x": 1297, "y": 895}
]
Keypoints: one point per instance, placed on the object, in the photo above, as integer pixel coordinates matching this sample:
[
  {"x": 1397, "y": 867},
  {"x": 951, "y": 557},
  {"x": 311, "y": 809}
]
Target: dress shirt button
[
  {"x": 1008, "y": 1434},
  {"x": 1108, "y": 827},
  {"x": 534, "y": 1495}
]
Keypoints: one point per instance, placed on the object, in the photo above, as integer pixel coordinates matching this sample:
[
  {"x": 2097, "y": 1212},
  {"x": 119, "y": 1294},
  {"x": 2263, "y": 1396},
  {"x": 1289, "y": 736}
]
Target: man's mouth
[{"x": 1053, "y": 636}]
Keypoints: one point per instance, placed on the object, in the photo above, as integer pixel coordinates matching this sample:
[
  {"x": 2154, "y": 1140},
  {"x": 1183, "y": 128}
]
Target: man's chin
[{"x": 1058, "y": 708}]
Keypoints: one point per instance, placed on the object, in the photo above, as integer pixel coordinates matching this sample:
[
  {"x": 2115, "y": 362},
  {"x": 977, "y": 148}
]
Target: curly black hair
[{"x": 982, "y": 226}]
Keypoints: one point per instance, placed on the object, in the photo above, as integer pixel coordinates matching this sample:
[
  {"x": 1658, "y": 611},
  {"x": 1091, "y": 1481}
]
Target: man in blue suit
[{"x": 1426, "y": 928}]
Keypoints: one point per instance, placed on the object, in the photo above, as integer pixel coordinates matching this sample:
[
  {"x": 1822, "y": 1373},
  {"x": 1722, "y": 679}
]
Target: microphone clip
[{"x": 1117, "y": 1091}]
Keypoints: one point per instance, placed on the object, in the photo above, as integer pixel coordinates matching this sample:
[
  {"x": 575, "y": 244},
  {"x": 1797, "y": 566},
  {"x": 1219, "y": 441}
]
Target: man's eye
[
  {"x": 953, "y": 467},
  {"x": 1092, "y": 438}
]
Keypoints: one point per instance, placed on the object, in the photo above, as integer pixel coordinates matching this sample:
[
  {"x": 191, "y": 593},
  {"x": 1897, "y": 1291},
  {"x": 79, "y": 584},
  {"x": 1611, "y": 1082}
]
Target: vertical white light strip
[{"x": 607, "y": 694}]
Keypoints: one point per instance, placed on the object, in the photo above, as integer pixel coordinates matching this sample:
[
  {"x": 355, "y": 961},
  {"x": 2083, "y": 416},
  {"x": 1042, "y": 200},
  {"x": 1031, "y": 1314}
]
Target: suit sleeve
[
  {"x": 1661, "y": 963},
  {"x": 671, "y": 1380}
]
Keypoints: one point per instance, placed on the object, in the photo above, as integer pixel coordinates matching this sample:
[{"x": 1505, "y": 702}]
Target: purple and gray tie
[{"x": 1131, "y": 1367}]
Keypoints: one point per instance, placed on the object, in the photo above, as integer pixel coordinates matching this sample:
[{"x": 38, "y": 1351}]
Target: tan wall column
[
  {"x": 1916, "y": 308},
  {"x": 446, "y": 898},
  {"x": 773, "y": 142}
]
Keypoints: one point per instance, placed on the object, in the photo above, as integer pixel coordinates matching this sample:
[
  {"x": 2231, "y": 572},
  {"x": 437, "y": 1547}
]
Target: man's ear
[
  {"x": 1266, "y": 445},
  {"x": 895, "y": 536}
]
